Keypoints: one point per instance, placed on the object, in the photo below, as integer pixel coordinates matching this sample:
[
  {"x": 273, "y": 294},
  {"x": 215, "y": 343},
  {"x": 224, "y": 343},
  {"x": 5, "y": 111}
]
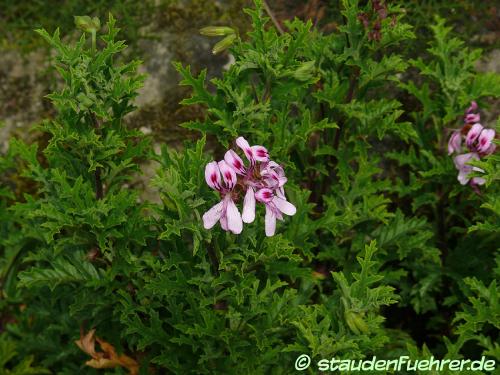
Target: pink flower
[
  {"x": 485, "y": 143},
  {"x": 275, "y": 206},
  {"x": 473, "y": 134},
  {"x": 455, "y": 142},
  {"x": 261, "y": 178},
  {"x": 465, "y": 169},
  {"x": 235, "y": 162},
  {"x": 479, "y": 142},
  {"x": 225, "y": 211},
  {"x": 472, "y": 118},
  {"x": 473, "y": 107},
  {"x": 253, "y": 153}
]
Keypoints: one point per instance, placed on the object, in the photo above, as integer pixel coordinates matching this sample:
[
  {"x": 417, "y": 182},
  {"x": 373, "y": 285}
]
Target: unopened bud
[
  {"x": 355, "y": 322},
  {"x": 87, "y": 24},
  {"x": 224, "y": 44},
  {"x": 216, "y": 31},
  {"x": 305, "y": 71}
]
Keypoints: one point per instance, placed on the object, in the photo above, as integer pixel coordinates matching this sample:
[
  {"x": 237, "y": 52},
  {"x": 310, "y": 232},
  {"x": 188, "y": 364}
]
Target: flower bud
[
  {"x": 305, "y": 71},
  {"x": 355, "y": 322},
  {"x": 224, "y": 44},
  {"x": 216, "y": 31},
  {"x": 87, "y": 24}
]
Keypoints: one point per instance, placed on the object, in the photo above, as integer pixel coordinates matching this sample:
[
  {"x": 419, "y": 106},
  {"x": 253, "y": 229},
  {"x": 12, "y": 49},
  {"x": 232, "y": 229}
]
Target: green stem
[{"x": 93, "y": 41}]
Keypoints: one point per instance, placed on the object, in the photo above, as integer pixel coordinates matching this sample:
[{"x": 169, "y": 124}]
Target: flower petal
[
  {"x": 212, "y": 175},
  {"x": 212, "y": 216},
  {"x": 234, "y": 221},
  {"x": 485, "y": 139},
  {"x": 473, "y": 134},
  {"x": 472, "y": 118},
  {"x": 223, "y": 222},
  {"x": 235, "y": 162},
  {"x": 248, "y": 215},
  {"x": 270, "y": 222},
  {"x": 228, "y": 174},
  {"x": 473, "y": 107},
  {"x": 460, "y": 161},
  {"x": 455, "y": 142},
  {"x": 478, "y": 181},
  {"x": 491, "y": 149},
  {"x": 260, "y": 153},
  {"x": 463, "y": 176},
  {"x": 264, "y": 195},
  {"x": 245, "y": 146},
  {"x": 284, "y": 206}
]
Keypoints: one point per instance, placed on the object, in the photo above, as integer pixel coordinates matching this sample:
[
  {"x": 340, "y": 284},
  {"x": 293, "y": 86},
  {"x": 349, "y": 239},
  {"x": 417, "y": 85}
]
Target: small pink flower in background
[
  {"x": 485, "y": 143},
  {"x": 478, "y": 142},
  {"x": 455, "y": 142},
  {"x": 472, "y": 118},
  {"x": 473, "y": 134},
  {"x": 464, "y": 169},
  {"x": 473, "y": 107},
  {"x": 260, "y": 182}
]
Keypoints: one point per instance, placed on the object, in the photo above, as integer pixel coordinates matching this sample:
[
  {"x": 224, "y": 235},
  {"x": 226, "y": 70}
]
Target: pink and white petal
[
  {"x": 472, "y": 118},
  {"x": 235, "y": 162},
  {"x": 460, "y": 161},
  {"x": 228, "y": 174},
  {"x": 213, "y": 215},
  {"x": 463, "y": 177},
  {"x": 477, "y": 169},
  {"x": 282, "y": 181},
  {"x": 455, "y": 142},
  {"x": 284, "y": 206},
  {"x": 473, "y": 134},
  {"x": 478, "y": 181},
  {"x": 248, "y": 215},
  {"x": 280, "y": 192},
  {"x": 485, "y": 139},
  {"x": 491, "y": 149},
  {"x": 212, "y": 175},
  {"x": 270, "y": 222},
  {"x": 473, "y": 107},
  {"x": 264, "y": 195},
  {"x": 223, "y": 222},
  {"x": 260, "y": 153},
  {"x": 234, "y": 221},
  {"x": 245, "y": 146}
]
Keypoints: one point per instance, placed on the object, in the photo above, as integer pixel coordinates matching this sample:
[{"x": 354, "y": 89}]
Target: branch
[
  {"x": 273, "y": 18},
  {"x": 213, "y": 259}
]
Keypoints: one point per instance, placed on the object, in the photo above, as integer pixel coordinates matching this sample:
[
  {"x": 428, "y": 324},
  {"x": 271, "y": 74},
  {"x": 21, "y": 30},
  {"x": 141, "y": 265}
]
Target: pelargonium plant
[
  {"x": 262, "y": 181},
  {"x": 478, "y": 141}
]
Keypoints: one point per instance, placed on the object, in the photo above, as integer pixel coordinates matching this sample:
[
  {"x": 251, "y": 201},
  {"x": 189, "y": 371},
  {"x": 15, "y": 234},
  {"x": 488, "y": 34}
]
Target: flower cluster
[
  {"x": 478, "y": 141},
  {"x": 261, "y": 181}
]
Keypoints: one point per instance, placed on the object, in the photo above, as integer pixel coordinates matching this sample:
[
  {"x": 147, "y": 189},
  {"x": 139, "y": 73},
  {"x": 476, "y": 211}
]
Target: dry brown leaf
[
  {"x": 108, "y": 358},
  {"x": 87, "y": 343}
]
